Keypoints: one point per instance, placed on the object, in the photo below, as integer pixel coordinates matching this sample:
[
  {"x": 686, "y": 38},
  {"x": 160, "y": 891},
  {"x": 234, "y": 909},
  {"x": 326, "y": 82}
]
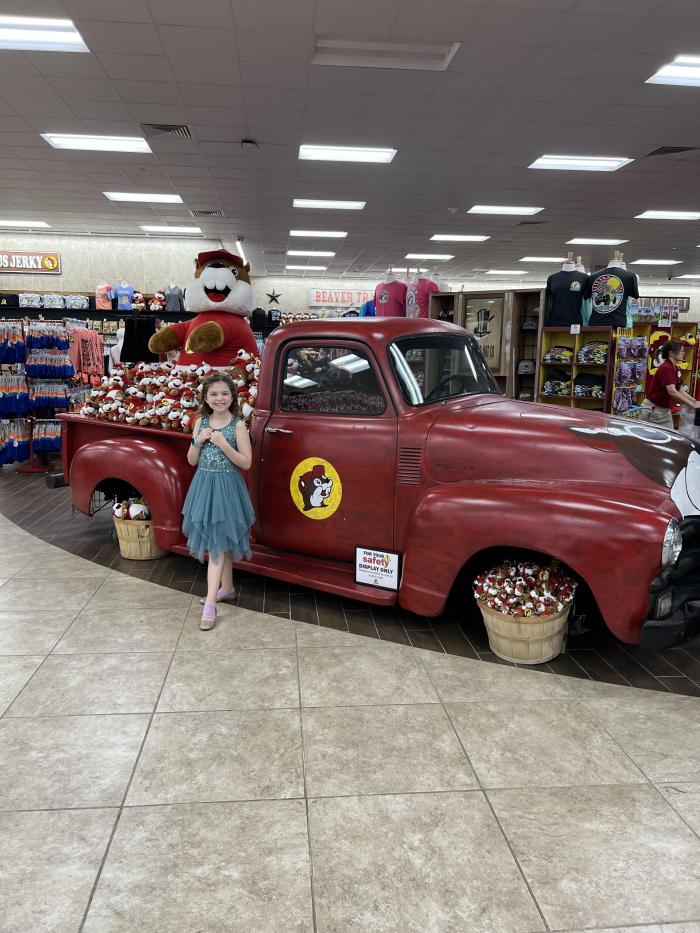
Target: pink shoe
[
  {"x": 208, "y": 617},
  {"x": 221, "y": 595}
]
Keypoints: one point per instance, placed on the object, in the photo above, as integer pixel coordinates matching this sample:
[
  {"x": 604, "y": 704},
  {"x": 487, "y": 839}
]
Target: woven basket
[
  {"x": 136, "y": 540},
  {"x": 517, "y": 639}
]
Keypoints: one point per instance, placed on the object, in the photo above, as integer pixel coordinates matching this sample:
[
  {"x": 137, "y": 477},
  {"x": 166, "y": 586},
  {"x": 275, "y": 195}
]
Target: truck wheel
[{"x": 55, "y": 479}]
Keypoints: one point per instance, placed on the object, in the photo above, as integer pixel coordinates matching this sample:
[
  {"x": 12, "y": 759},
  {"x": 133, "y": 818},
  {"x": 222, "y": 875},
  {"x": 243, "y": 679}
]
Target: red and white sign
[
  {"x": 338, "y": 297},
  {"x": 30, "y": 263}
]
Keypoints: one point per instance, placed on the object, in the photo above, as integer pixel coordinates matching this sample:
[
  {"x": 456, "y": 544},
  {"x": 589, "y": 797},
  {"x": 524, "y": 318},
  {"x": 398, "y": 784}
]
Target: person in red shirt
[{"x": 664, "y": 390}]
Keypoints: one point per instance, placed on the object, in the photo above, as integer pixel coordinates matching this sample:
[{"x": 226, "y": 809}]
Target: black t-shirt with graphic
[
  {"x": 563, "y": 298},
  {"x": 609, "y": 290}
]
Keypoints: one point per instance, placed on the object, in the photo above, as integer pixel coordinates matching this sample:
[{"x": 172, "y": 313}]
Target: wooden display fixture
[{"x": 562, "y": 337}]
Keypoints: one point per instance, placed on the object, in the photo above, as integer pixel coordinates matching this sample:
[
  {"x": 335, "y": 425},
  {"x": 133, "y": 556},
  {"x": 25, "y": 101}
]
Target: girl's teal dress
[{"x": 218, "y": 513}]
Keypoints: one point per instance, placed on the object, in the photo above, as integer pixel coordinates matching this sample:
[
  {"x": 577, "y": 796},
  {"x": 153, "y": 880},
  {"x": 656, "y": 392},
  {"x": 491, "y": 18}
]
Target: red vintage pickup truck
[{"x": 390, "y": 436}]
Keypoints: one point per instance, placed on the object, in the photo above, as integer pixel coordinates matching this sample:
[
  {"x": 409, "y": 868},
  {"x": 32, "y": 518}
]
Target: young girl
[{"x": 217, "y": 512}]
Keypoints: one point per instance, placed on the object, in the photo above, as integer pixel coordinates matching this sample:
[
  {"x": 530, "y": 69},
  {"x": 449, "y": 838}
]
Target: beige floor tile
[
  {"x": 220, "y": 756},
  {"x": 93, "y": 683},
  {"x": 32, "y": 631},
  {"x": 115, "y": 630},
  {"x": 48, "y": 865},
  {"x": 14, "y": 561},
  {"x": 382, "y": 750},
  {"x": 317, "y": 636},
  {"x": 237, "y": 628},
  {"x": 660, "y": 732},
  {"x": 124, "y": 592},
  {"x": 55, "y": 563},
  {"x": 209, "y": 680},
  {"x": 55, "y": 594},
  {"x": 72, "y": 761},
  {"x": 602, "y": 856},
  {"x": 461, "y": 680},
  {"x": 685, "y": 800},
  {"x": 654, "y": 928},
  {"x": 371, "y": 675},
  {"x": 539, "y": 744},
  {"x": 234, "y": 867},
  {"x": 415, "y": 863},
  {"x": 14, "y": 674}
]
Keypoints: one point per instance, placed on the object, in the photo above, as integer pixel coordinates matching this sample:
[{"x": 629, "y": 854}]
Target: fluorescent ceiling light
[
  {"x": 684, "y": 69},
  {"x": 359, "y": 53},
  {"x": 147, "y": 198},
  {"x": 543, "y": 259},
  {"x": 668, "y": 215},
  {"x": 308, "y": 252},
  {"x": 329, "y": 205},
  {"x": 506, "y": 272},
  {"x": 581, "y": 163},
  {"x": 345, "y": 154},
  {"x": 351, "y": 363},
  {"x": 498, "y": 209},
  {"x": 457, "y": 238},
  {"x": 308, "y": 268},
  {"x": 23, "y": 223},
  {"x": 656, "y": 262},
  {"x": 688, "y": 276},
  {"x": 149, "y": 228},
  {"x": 299, "y": 382},
  {"x": 438, "y": 257},
  {"x": 239, "y": 250},
  {"x": 329, "y": 234},
  {"x": 586, "y": 241},
  {"x": 97, "y": 143},
  {"x": 40, "y": 35}
]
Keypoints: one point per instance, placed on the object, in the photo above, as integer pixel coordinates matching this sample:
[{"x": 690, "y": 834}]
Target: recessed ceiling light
[
  {"x": 97, "y": 143},
  {"x": 148, "y": 198},
  {"x": 543, "y": 259},
  {"x": 419, "y": 56},
  {"x": 308, "y": 252},
  {"x": 149, "y": 228},
  {"x": 499, "y": 209},
  {"x": 684, "y": 69},
  {"x": 329, "y": 234},
  {"x": 581, "y": 163},
  {"x": 345, "y": 154},
  {"x": 308, "y": 268},
  {"x": 688, "y": 276},
  {"x": 668, "y": 215},
  {"x": 506, "y": 272},
  {"x": 656, "y": 262},
  {"x": 329, "y": 205},
  {"x": 40, "y": 35},
  {"x": 438, "y": 257},
  {"x": 458, "y": 238},
  {"x": 23, "y": 223},
  {"x": 589, "y": 241}
]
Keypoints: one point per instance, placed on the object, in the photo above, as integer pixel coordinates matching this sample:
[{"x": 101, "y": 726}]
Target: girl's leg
[
  {"x": 227, "y": 575},
  {"x": 214, "y": 571}
]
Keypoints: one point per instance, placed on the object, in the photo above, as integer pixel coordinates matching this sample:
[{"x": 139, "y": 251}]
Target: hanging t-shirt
[
  {"x": 609, "y": 291},
  {"x": 173, "y": 300},
  {"x": 103, "y": 297},
  {"x": 125, "y": 297},
  {"x": 418, "y": 297},
  {"x": 390, "y": 299},
  {"x": 368, "y": 309},
  {"x": 563, "y": 298}
]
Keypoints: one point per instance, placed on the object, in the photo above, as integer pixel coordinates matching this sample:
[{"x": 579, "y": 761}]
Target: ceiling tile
[
  {"x": 18, "y": 85},
  {"x": 79, "y": 89},
  {"x": 199, "y": 41},
  {"x": 270, "y": 74},
  {"x": 148, "y": 92},
  {"x": 334, "y": 102},
  {"x": 126, "y": 11},
  {"x": 16, "y": 63},
  {"x": 130, "y": 38},
  {"x": 100, "y": 110},
  {"x": 136, "y": 67},
  {"x": 195, "y": 70},
  {"x": 158, "y": 113},
  {"x": 452, "y": 22},
  {"x": 185, "y": 13},
  {"x": 286, "y": 48},
  {"x": 211, "y": 95},
  {"x": 272, "y": 99},
  {"x": 273, "y": 15},
  {"x": 371, "y": 19}
]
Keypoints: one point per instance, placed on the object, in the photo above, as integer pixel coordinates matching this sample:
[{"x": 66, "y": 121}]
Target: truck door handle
[{"x": 278, "y": 431}]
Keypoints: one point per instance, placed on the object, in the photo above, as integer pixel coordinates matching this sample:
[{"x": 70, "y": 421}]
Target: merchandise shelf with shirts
[{"x": 575, "y": 370}]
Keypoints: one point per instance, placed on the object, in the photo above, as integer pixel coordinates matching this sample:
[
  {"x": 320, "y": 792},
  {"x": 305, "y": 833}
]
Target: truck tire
[{"x": 55, "y": 479}]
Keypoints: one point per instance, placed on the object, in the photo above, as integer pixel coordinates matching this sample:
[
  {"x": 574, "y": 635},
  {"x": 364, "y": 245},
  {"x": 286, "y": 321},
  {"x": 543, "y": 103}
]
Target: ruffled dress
[{"x": 218, "y": 513}]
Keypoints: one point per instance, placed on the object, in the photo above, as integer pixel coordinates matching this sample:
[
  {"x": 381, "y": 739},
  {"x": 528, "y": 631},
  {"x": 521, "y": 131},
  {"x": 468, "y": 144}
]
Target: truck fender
[
  {"x": 613, "y": 545},
  {"x": 156, "y": 470}
]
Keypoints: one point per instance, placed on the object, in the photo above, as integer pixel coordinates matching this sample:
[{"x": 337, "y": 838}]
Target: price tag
[{"x": 575, "y": 329}]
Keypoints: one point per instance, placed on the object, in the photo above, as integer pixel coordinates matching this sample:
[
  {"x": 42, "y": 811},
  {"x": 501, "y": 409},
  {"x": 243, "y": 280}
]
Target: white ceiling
[{"x": 531, "y": 76}]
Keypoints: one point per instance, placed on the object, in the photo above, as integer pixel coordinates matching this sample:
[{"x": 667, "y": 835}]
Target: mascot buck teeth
[{"x": 221, "y": 296}]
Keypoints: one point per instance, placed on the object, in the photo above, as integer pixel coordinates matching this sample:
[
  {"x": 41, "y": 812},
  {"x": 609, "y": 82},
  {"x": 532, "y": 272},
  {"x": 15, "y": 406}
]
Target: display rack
[
  {"x": 571, "y": 366},
  {"x": 630, "y": 370}
]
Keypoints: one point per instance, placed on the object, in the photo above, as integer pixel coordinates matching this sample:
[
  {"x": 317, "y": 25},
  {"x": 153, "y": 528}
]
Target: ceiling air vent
[
  {"x": 529, "y": 223},
  {"x": 157, "y": 130},
  {"x": 207, "y": 213},
  {"x": 408, "y": 468},
  {"x": 411, "y": 56},
  {"x": 670, "y": 150}
]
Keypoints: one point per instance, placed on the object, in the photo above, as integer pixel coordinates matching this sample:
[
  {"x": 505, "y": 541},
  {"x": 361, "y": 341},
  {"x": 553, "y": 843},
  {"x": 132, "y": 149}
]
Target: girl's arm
[
  {"x": 193, "y": 451},
  {"x": 242, "y": 457}
]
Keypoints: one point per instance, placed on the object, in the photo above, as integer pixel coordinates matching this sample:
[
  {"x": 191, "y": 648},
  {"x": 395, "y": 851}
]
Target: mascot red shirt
[{"x": 222, "y": 298}]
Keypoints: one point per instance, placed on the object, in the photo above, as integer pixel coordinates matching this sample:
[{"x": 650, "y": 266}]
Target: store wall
[{"x": 147, "y": 263}]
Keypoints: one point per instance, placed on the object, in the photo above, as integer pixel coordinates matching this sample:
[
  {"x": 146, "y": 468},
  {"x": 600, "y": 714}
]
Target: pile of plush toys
[
  {"x": 167, "y": 396},
  {"x": 131, "y": 510},
  {"x": 525, "y": 590}
]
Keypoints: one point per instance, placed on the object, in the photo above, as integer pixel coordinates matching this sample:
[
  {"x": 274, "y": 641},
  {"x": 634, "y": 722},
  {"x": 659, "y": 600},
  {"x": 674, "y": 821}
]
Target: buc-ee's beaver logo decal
[{"x": 316, "y": 488}]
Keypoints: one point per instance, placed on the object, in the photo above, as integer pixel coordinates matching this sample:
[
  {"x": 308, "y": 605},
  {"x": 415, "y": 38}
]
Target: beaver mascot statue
[{"x": 221, "y": 296}]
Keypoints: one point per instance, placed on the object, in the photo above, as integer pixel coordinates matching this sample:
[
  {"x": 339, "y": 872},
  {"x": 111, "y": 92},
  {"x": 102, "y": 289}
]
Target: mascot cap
[{"x": 215, "y": 254}]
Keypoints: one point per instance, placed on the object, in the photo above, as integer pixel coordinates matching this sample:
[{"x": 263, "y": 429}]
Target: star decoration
[{"x": 274, "y": 296}]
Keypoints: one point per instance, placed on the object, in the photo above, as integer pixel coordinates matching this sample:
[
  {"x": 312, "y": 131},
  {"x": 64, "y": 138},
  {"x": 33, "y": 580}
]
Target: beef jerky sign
[{"x": 30, "y": 263}]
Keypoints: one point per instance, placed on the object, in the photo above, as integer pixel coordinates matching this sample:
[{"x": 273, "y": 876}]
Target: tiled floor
[
  {"x": 275, "y": 776},
  {"x": 595, "y": 655}
]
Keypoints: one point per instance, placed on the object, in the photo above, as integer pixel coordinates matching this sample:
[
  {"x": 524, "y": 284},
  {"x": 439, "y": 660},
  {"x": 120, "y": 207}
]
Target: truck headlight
[{"x": 672, "y": 546}]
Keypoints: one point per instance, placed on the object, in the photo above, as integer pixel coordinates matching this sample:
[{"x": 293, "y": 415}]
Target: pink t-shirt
[
  {"x": 418, "y": 297},
  {"x": 103, "y": 297},
  {"x": 390, "y": 299}
]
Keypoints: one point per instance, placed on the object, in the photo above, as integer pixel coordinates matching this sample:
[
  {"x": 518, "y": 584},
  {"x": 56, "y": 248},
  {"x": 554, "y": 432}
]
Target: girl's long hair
[{"x": 204, "y": 409}]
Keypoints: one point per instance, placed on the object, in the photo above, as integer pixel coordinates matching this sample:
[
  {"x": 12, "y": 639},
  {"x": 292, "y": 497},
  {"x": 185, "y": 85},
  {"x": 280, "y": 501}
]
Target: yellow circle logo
[
  {"x": 316, "y": 488},
  {"x": 50, "y": 262}
]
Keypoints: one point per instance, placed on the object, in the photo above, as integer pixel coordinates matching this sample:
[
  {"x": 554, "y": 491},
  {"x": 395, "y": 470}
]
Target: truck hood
[{"x": 510, "y": 441}]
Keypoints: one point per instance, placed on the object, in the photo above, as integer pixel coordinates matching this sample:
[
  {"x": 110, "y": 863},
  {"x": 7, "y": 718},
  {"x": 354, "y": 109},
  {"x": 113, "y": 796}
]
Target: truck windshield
[{"x": 431, "y": 368}]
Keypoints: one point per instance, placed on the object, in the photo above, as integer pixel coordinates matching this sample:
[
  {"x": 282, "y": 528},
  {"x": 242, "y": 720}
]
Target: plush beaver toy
[{"x": 222, "y": 298}]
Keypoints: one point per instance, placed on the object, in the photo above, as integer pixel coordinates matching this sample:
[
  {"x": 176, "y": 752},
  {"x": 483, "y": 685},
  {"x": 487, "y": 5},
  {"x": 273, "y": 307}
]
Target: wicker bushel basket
[
  {"x": 526, "y": 641},
  {"x": 136, "y": 540}
]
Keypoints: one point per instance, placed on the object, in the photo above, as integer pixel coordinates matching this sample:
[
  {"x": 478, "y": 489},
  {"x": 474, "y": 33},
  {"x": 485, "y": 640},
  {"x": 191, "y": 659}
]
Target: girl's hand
[
  {"x": 204, "y": 436},
  {"x": 217, "y": 439}
]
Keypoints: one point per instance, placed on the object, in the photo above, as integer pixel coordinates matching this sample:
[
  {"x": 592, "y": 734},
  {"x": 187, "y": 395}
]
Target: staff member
[{"x": 664, "y": 390}]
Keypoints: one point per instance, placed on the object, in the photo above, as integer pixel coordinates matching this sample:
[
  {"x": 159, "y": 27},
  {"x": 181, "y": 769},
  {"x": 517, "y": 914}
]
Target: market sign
[
  {"x": 338, "y": 297},
  {"x": 33, "y": 263}
]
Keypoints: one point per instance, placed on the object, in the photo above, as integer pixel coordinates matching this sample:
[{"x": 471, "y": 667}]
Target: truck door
[{"x": 328, "y": 453}]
